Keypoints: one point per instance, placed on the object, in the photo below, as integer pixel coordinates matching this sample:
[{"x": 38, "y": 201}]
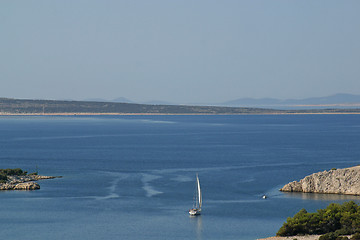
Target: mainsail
[{"x": 198, "y": 192}]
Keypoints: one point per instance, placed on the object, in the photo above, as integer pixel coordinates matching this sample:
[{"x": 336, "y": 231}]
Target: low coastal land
[
  {"x": 54, "y": 107},
  {"x": 17, "y": 179}
]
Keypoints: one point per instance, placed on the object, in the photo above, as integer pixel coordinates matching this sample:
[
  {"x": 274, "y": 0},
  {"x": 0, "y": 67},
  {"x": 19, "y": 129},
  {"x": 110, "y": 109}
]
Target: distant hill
[
  {"x": 119, "y": 99},
  {"x": 337, "y": 99},
  {"x": 93, "y": 100},
  {"x": 126, "y": 100},
  {"x": 43, "y": 107},
  {"x": 122, "y": 100},
  {"x": 158, "y": 102}
]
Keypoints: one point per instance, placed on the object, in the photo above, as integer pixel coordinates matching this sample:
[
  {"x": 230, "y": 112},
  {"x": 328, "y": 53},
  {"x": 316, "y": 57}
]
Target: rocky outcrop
[
  {"x": 20, "y": 186},
  {"x": 27, "y": 186},
  {"x": 339, "y": 181},
  {"x": 23, "y": 182}
]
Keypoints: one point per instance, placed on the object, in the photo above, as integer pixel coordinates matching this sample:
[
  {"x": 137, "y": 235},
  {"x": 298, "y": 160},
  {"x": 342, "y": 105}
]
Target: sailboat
[{"x": 196, "y": 210}]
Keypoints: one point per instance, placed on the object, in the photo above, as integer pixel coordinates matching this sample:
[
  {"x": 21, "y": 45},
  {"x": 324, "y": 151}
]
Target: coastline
[
  {"x": 343, "y": 181},
  {"x": 306, "y": 237},
  {"x": 23, "y": 182},
  {"x": 35, "y": 107}
]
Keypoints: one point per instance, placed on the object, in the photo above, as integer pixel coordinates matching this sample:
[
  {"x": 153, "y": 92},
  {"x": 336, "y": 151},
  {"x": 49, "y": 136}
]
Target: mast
[{"x": 199, "y": 198}]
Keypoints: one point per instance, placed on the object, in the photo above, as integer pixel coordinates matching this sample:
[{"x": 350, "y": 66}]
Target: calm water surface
[{"x": 133, "y": 177}]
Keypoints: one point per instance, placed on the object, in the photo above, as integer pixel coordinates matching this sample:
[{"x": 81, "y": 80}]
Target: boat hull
[{"x": 194, "y": 212}]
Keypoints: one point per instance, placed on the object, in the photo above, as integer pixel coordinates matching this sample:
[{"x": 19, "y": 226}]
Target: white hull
[{"x": 194, "y": 212}]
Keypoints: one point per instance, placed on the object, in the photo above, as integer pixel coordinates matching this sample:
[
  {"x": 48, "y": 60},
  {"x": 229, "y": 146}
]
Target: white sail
[{"x": 199, "y": 192}]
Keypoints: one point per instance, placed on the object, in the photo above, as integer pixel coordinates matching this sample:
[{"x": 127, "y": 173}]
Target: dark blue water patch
[{"x": 132, "y": 177}]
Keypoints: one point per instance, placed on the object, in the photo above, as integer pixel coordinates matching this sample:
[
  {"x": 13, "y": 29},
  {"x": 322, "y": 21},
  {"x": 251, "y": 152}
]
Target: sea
[{"x": 133, "y": 177}]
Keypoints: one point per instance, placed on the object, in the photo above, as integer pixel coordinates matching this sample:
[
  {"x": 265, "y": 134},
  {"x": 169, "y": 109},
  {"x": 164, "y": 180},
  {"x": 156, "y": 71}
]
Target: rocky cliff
[
  {"x": 339, "y": 181},
  {"x": 23, "y": 182}
]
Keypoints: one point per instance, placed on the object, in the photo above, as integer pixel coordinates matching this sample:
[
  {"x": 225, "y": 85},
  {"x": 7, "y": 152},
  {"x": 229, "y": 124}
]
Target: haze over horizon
[{"x": 179, "y": 51}]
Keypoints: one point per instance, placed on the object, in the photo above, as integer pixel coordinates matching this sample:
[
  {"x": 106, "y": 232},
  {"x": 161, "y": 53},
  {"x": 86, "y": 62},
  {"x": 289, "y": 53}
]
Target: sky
[{"x": 179, "y": 51}]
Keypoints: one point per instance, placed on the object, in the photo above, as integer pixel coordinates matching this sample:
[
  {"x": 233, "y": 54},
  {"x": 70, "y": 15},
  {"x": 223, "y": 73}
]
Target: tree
[{"x": 338, "y": 219}]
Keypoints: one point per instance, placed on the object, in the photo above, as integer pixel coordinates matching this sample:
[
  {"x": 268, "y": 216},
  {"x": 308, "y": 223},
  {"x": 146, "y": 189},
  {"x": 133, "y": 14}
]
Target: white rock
[{"x": 340, "y": 181}]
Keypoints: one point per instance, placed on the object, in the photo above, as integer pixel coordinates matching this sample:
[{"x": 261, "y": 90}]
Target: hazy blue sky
[{"x": 201, "y": 51}]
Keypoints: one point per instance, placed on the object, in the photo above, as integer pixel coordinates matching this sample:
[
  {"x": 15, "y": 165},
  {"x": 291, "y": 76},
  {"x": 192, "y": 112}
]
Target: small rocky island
[
  {"x": 17, "y": 179},
  {"x": 335, "y": 181}
]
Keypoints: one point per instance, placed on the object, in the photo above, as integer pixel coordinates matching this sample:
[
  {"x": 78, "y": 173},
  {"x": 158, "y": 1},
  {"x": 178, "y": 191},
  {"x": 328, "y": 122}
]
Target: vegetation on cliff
[
  {"x": 17, "y": 179},
  {"x": 336, "y": 219},
  {"x": 5, "y": 173}
]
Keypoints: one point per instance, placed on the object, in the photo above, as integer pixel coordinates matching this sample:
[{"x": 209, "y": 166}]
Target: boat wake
[
  {"x": 146, "y": 179},
  {"x": 113, "y": 185},
  {"x": 181, "y": 178},
  {"x": 209, "y": 201}
]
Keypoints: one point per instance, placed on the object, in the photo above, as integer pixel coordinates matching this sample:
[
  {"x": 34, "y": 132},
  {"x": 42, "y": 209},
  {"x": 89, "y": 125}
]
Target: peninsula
[
  {"x": 10, "y": 106},
  {"x": 17, "y": 179},
  {"x": 335, "y": 181}
]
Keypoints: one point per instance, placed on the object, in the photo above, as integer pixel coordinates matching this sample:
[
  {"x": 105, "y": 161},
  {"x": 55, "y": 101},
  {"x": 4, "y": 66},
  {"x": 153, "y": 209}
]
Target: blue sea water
[{"x": 133, "y": 177}]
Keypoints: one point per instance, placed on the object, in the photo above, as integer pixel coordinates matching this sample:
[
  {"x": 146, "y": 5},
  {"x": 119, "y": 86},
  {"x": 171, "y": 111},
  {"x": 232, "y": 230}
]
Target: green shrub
[
  {"x": 356, "y": 236},
  {"x": 329, "y": 236},
  {"x": 344, "y": 231},
  {"x": 3, "y": 178},
  {"x": 342, "y": 238},
  {"x": 12, "y": 172},
  {"x": 342, "y": 219}
]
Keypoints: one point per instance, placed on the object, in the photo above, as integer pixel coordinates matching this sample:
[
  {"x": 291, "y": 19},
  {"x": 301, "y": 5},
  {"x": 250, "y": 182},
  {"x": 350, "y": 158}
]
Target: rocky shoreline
[
  {"x": 306, "y": 237},
  {"x": 336, "y": 181},
  {"x": 26, "y": 182}
]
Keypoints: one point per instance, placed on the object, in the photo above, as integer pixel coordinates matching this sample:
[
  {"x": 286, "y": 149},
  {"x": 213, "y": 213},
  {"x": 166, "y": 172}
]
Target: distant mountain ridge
[
  {"x": 118, "y": 100},
  {"x": 340, "y": 99},
  {"x": 126, "y": 100},
  {"x": 337, "y": 99}
]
